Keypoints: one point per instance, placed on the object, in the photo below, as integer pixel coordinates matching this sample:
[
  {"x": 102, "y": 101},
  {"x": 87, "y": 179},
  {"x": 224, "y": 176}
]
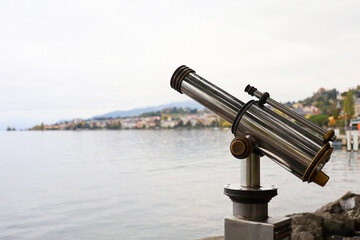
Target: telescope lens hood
[{"x": 178, "y": 77}]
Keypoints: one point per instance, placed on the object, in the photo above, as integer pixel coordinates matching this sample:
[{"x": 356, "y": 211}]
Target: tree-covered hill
[
  {"x": 325, "y": 100},
  {"x": 330, "y": 102}
]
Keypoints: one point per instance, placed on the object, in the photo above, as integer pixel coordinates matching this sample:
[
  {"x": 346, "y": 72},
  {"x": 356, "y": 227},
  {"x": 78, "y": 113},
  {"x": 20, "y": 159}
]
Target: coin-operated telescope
[{"x": 300, "y": 147}]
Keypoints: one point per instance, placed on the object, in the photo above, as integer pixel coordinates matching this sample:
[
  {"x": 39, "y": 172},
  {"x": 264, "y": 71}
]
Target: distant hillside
[
  {"x": 137, "y": 111},
  {"x": 329, "y": 101},
  {"x": 325, "y": 100}
]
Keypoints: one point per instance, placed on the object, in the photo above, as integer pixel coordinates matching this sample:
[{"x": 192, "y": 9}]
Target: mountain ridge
[{"x": 137, "y": 111}]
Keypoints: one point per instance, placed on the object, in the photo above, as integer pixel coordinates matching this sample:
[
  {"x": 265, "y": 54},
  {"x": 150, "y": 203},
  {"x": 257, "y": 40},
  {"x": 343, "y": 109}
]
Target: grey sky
[{"x": 66, "y": 59}]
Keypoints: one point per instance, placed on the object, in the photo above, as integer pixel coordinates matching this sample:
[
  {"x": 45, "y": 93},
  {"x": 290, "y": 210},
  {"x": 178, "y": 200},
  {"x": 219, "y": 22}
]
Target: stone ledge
[{"x": 338, "y": 220}]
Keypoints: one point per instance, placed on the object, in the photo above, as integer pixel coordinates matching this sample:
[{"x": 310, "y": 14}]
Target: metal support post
[
  {"x": 355, "y": 140},
  {"x": 250, "y": 175},
  {"x": 348, "y": 140},
  {"x": 250, "y": 206}
]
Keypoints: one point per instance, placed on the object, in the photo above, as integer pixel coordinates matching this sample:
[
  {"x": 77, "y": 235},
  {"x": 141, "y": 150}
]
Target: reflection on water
[{"x": 139, "y": 184}]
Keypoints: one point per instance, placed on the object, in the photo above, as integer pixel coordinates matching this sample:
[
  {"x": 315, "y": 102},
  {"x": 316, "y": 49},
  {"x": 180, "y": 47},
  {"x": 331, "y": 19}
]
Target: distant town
[
  {"x": 167, "y": 118},
  {"x": 326, "y": 108}
]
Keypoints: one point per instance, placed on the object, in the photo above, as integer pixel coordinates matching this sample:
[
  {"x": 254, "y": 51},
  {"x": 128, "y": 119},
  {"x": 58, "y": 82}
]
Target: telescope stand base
[{"x": 273, "y": 228}]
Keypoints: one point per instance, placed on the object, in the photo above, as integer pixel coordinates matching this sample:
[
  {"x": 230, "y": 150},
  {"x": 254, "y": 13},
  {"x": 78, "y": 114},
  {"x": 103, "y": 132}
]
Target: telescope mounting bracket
[{"x": 250, "y": 199}]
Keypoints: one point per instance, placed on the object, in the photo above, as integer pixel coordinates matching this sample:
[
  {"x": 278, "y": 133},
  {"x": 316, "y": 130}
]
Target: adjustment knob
[{"x": 241, "y": 147}]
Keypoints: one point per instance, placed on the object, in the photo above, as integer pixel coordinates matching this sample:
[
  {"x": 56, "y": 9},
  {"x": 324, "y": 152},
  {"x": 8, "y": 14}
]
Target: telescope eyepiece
[{"x": 250, "y": 89}]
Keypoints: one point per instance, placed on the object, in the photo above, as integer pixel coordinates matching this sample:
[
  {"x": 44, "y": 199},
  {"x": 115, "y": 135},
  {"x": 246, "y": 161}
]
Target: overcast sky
[{"x": 68, "y": 59}]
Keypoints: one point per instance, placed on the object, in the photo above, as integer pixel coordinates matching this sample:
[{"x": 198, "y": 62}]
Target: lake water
[{"x": 164, "y": 184}]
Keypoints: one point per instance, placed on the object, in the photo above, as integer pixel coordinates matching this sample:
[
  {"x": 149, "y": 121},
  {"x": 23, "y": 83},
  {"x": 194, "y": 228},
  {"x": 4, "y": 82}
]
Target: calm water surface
[{"x": 163, "y": 184}]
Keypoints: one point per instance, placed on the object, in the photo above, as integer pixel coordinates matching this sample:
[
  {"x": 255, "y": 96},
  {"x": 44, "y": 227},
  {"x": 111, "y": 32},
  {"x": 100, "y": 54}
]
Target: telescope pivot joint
[{"x": 241, "y": 147}]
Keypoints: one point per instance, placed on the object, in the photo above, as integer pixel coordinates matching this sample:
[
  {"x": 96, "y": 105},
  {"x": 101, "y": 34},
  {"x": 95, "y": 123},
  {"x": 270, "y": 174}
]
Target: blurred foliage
[
  {"x": 179, "y": 110},
  {"x": 349, "y": 104},
  {"x": 150, "y": 114},
  {"x": 325, "y": 100},
  {"x": 39, "y": 127},
  {"x": 114, "y": 126},
  {"x": 320, "y": 119}
]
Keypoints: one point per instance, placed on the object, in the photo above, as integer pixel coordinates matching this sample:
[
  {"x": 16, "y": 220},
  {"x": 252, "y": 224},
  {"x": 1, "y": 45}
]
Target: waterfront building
[{"x": 129, "y": 123}]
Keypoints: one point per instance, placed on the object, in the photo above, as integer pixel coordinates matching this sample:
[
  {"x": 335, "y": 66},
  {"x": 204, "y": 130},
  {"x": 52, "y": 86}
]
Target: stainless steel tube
[
  {"x": 253, "y": 212},
  {"x": 292, "y": 114},
  {"x": 309, "y": 135},
  {"x": 212, "y": 97},
  {"x": 296, "y": 116},
  {"x": 250, "y": 171},
  {"x": 278, "y": 139},
  {"x": 227, "y": 107}
]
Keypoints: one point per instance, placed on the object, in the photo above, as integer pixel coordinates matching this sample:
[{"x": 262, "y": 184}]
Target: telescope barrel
[
  {"x": 301, "y": 154},
  {"x": 227, "y": 107},
  {"x": 212, "y": 97},
  {"x": 328, "y": 135}
]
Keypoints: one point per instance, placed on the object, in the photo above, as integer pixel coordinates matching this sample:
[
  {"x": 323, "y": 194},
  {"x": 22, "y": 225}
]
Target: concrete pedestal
[{"x": 274, "y": 228}]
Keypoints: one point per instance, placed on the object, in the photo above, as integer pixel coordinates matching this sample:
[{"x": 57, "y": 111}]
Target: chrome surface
[
  {"x": 212, "y": 97},
  {"x": 278, "y": 140},
  {"x": 292, "y": 114},
  {"x": 311, "y": 137},
  {"x": 254, "y": 212},
  {"x": 291, "y": 147},
  {"x": 250, "y": 171}
]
